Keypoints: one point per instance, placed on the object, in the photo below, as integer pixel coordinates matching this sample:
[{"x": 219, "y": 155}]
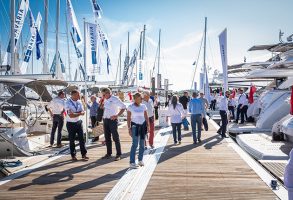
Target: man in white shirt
[
  {"x": 74, "y": 109},
  {"x": 223, "y": 107},
  {"x": 242, "y": 101},
  {"x": 57, "y": 108},
  {"x": 148, "y": 102},
  {"x": 113, "y": 108}
]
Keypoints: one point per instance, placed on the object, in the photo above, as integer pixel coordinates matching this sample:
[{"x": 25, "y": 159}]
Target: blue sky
[{"x": 249, "y": 22}]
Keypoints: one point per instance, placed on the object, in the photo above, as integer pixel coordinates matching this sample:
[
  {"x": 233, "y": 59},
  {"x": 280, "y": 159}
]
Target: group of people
[
  {"x": 140, "y": 121},
  {"x": 141, "y": 116}
]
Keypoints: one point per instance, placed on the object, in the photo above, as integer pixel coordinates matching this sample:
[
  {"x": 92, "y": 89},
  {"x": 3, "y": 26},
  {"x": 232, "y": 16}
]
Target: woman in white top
[
  {"x": 176, "y": 112},
  {"x": 138, "y": 126}
]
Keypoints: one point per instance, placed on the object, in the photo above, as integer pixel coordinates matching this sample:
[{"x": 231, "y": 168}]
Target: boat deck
[{"x": 210, "y": 170}]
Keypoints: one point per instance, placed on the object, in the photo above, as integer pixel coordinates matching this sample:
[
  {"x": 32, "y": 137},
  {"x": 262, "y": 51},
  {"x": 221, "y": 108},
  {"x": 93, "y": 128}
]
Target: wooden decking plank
[{"x": 210, "y": 170}]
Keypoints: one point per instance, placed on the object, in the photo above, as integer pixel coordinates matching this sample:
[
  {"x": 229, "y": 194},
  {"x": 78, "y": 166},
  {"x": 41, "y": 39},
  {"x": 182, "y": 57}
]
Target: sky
[{"x": 248, "y": 22}]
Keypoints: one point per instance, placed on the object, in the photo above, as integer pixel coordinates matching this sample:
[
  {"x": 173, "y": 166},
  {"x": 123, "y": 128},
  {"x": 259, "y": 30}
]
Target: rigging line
[
  {"x": 211, "y": 50},
  {"x": 196, "y": 62}
]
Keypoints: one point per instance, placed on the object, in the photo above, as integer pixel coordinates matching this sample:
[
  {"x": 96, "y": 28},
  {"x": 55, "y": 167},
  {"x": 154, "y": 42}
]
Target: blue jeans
[
  {"x": 178, "y": 127},
  {"x": 135, "y": 140},
  {"x": 196, "y": 120}
]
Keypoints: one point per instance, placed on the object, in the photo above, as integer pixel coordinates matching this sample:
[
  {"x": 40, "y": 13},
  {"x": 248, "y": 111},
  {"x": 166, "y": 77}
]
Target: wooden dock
[{"x": 210, "y": 170}]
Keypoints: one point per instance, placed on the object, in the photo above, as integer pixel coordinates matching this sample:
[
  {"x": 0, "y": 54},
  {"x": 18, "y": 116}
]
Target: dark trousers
[
  {"x": 213, "y": 104},
  {"x": 238, "y": 112},
  {"x": 244, "y": 113},
  {"x": 196, "y": 121},
  {"x": 232, "y": 111},
  {"x": 110, "y": 128},
  {"x": 94, "y": 121},
  {"x": 224, "y": 120},
  {"x": 73, "y": 129},
  {"x": 58, "y": 121},
  {"x": 156, "y": 112},
  {"x": 176, "y": 126}
]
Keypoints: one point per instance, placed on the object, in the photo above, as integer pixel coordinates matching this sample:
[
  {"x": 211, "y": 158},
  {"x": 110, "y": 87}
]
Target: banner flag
[
  {"x": 75, "y": 28},
  {"x": 35, "y": 26},
  {"x": 223, "y": 51},
  {"x": 91, "y": 46},
  {"x": 96, "y": 9},
  {"x": 18, "y": 24}
]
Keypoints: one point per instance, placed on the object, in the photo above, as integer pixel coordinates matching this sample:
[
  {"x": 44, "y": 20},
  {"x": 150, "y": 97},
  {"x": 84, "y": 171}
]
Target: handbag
[
  {"x": 205, "y": 124},
  {"x": 98, "y": 130}
]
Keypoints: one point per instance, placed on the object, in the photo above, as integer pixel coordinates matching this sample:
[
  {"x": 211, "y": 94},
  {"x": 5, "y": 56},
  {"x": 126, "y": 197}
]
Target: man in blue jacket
[{"x": 197, "y": 111}]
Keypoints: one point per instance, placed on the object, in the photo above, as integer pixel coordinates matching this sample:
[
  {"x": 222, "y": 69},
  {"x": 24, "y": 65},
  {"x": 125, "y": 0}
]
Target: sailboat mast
[
  {"x": 45, "y": 62},
  {"x": 58, "y": 74},
  {"x": 12, "y": 35},
  {"x": 159, "y": 77},
  {"x": 120, "y": 64},
  {"x": 68, "y": 49},
  {"x": 128, "y": 44},
  {"x": 204, "y": 52}
]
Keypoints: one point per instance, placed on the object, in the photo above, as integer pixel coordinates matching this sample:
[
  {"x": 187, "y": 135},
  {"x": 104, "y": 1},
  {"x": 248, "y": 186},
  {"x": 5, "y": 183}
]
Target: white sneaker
[
  {"x": 133, "y": 166},
  {"x": 140, "y": 163}
]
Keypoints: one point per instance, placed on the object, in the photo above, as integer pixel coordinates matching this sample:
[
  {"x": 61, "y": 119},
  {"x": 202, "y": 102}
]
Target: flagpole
[
  {"x": 57, "y": 70},
  {"x": 85, "y": 81},
  {"x": 12, "y": 36},
  {"x": 45, "y": 64}
]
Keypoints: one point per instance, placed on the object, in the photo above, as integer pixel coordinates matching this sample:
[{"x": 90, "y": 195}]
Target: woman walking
[
  {"x": 176, "y": 112},
  {"x": 138, "y": 126}
]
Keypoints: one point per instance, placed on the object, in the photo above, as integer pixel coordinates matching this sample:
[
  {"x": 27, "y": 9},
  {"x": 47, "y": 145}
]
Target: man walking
[
  {"x": 223, "y": 106},
  {"x": 113, "y": 108},
  {"x": 148, "y": 102},
  {"x": 57, "y": 108},
  {"x": 74, "y": 109},
  {"x": 196, "y": 110}
]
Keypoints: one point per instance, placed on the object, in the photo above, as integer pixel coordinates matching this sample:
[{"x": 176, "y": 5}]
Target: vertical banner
[
  {"x": 140, "y": 70},
  {"x": 223, "y": 51},
  {"x": 75, "y": 28},
  {"x": 195, "y": 86},
  {"x": 159, "y": 81},
  {"x": 153, "y": 84},
  {"x": 91, "y": 46},
  {"x": 18, "y": 24},
  {"x": 96, "y": 9},
  {"x": 35, "y": 25},
  {"x": 201, "y": 81},
  {"x": 207, "y": 90}
]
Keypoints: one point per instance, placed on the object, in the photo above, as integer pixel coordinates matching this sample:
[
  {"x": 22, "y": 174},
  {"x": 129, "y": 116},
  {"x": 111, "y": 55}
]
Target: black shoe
[
  {"x": 117, "y": 158},
  {"x": 224, "y": 136},
  {"x": 85, "y": 158},
  {"x": 73, "y": 158},
  {"x": 241, "y": 123},
  {"x": 236, "y": 121},
  {"x": 194, "y": 143},
  {"x": 219, "y": 131},
  {"x": 107, "y": 156},
  {"x": 95, "y": 139},
  {"x": 199, "y": 140}
]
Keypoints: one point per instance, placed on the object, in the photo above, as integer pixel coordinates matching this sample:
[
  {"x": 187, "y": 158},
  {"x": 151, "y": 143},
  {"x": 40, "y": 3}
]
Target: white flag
[
  {"x": 75, "y": 28},
  {"x": 35, "y": 25},
  {"x": 18, "y": 24},
  {"x": 223, "y": 51},
  {"x": 91, "y": 47}
]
